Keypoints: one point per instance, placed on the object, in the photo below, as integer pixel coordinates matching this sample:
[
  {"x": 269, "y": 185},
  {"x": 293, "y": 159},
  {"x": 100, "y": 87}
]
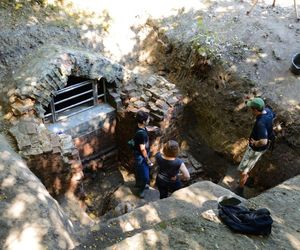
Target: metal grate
[{"x": 74, "y": 99}]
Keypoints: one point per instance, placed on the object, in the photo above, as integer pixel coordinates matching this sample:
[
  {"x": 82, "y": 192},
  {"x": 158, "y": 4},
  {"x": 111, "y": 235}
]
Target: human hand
[
  {"x": 150, "y": 163},
  {"x": 252, "y": 142},
  {"x": 173, "y": 178}
]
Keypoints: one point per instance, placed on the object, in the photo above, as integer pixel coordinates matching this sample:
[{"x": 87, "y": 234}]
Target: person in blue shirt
[
  {"x": 141, "y": 153},
  {"x": 169, "y": 166},
  {"x": 261, "y": 136}
]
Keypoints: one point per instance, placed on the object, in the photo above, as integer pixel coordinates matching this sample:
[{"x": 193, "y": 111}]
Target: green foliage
[
  {"x": 206, "y": 42},
  {"x": 162, "y": 225},
  {"x": 19, "y": 4}
]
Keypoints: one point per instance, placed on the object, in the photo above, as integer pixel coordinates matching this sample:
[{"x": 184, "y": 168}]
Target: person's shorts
[{"x": 249, "y": 160}]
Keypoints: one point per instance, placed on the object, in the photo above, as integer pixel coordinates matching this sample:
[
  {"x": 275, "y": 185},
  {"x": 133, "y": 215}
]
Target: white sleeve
[{"x": 184, "y": 171}]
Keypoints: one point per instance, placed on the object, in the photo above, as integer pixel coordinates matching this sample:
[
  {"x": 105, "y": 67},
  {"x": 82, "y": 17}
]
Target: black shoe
[
  {"x": 239, "y": 191},
  {"x": 250, "y": 182}
]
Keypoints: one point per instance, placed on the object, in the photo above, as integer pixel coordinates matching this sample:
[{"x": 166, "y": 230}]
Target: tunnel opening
[{"x": 77, "y": 96}]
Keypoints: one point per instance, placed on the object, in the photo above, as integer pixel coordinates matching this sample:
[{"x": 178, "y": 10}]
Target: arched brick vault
[{"x": 48, "y": 71}]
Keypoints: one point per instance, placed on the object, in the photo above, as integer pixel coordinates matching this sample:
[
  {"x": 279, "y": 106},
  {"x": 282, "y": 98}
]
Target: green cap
[{"x": 256, "y": 103}]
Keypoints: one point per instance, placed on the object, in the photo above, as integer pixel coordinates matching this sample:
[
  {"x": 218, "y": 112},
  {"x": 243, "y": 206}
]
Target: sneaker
[
  {"x": 142, "y": 194},
  {"x": 147, "y": 186},
  {"x": 239, "y": 191}
]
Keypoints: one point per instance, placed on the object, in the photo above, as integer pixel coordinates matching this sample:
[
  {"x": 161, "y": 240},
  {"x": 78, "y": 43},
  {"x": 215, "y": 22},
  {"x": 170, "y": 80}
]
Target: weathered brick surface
[{"x": 127, "y": 93}]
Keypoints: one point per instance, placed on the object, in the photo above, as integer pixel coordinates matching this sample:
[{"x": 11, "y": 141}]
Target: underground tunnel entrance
[
  {"x": 82, "y": 110},
  {"x": 75, "y": 111}
]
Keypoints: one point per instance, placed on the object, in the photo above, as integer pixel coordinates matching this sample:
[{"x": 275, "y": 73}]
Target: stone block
[
  {"x": 151, "y": 81},
  {"x": 140, "y": 82},
  {"x": 144, "y": 98},
  {"x": 159, "y": 103},
  {"x": 133, "y": 99},
  {"x": 165, "y": 96},
  {"x": 56, "y": 150},
  {"x": 148, "y": 93},
  {"x": 46, "y": 147},
  {"x": 123, "y": 95},
  {"x": 129, "y": 88},
  {"x": 60, "y": 79},
  {"x": 35, "y": 151},
  {"x": 30, "y": 128},
  {"x": 157, "y": 117},
  {"x": 131, "y": 109},
  {"x": 172, "y": 100},
  {"x": 49, "y": 84},
  {"x": 152, "y": 106},
  {"x": 34, "y": 139},
  {"x": 170, "y": 86},
  {"x": 197, "y": 165},
  {"x": 23, "y": 142},
  {"x": 156, "y": 92},
  {"x": 139, "y": 104},
  {"x": 54, "y": 139}
]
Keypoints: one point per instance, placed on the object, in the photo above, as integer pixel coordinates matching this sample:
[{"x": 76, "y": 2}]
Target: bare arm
[
  {"x": 185, "y": 172},
  {"x": 259, "y": 143},
  {"x": 145, "y": 155}
]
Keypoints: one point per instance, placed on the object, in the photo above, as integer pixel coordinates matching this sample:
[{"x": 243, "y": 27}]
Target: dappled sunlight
[
  {"x": 194, "y": 196},
  {"x": 20, "y": 204},
  {"x": 152, "y": 214},
  {"x": 238, "y": 148},
  {"x": 148, "y": 239},
  {"x": 17, "y": 208},
  {"x": 294, "y": 240},
  {"x": 117, "y": 23},
  {"x": 30, "y": 236},
  {"x": 9, "y": 181},
  {"x": 5, "y": 155},
  {"x": 130, "y": 222},
  {"x": 289, "y": 187}
]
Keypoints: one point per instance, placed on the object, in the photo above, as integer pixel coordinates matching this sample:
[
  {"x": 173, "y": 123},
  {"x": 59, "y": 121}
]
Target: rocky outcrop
[{"x": 30, "y": 218}]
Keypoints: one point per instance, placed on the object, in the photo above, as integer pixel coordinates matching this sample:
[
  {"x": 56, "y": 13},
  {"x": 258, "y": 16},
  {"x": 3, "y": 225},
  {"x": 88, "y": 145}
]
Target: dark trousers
[
  {"x": 166, "y": 187},
  {"x": 142, "y": 172}
]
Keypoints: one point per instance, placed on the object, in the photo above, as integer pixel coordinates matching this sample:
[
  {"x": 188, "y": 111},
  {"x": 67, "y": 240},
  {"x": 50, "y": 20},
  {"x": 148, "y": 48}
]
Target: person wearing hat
[
  {"x": 141, "y": 153},
  {"x": 259, "y": 140}
]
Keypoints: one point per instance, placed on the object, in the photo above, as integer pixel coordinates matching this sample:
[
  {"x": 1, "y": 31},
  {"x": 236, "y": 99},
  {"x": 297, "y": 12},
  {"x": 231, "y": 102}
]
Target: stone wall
[
  {"x": 54, "y": 157},
  {"x": 164, "y": 103}
]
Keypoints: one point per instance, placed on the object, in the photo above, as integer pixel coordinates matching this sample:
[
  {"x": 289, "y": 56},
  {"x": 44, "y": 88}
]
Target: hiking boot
[{"x": 239, "y": 191}]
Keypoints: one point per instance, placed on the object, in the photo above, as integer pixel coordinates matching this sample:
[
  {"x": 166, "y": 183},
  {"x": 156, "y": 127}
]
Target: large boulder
[
  {"x": 29, "y": 217},
  {"x": 188, "y": 220}
]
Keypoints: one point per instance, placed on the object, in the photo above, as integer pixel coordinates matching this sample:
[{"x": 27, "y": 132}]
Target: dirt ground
[{"x": 258, "y": 47}]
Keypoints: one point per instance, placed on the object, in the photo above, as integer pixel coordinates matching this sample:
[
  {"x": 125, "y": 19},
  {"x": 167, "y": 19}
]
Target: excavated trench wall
[{"x": 215, "y": 113}]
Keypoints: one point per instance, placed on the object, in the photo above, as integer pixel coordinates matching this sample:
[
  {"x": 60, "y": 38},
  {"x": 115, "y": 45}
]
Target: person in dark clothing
[
  {"x": 261, "y": 136},
  {"x": 169, "y": 166},
  {"x": 141, "y": 153}
]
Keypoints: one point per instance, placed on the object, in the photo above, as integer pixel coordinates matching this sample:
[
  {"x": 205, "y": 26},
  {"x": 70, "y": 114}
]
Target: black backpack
[
  {"x": 131, "y": 143},
  {"x": 248, "y": 221}
]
